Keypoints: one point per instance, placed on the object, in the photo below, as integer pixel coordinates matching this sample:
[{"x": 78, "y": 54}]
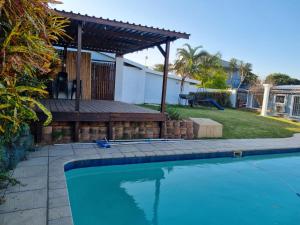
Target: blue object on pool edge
[{"x": 103, "y": 144}]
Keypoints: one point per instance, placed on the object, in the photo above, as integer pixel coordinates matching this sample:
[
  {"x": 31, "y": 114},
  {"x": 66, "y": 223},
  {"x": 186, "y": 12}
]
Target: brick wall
[{"x": 62, "y": 132}]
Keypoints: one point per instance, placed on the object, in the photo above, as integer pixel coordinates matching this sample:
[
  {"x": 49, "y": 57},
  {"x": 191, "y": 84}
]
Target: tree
[
  {"x": 250, "y": 79},
  {"x": 245, "y": 72},
  {"x": 27, "y": 59},
  {"x": 233, "y": 67},
  {"x": 187, "y": 62},
  {"x": 211, "y": 72},
  {"x": 281, "y": 79},
  {"x": 160, "y": 67}
]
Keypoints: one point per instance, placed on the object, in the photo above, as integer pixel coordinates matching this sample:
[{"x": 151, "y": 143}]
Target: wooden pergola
[{"x": 105, "y": 35}]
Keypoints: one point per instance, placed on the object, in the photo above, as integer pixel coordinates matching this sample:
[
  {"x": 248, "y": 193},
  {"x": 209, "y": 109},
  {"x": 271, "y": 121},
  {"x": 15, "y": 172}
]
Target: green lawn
[{"x": 241, "y": 124}]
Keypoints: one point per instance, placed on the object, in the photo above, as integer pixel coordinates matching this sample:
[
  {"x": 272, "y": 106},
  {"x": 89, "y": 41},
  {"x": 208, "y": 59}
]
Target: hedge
[{"x": 221, "y": 97}]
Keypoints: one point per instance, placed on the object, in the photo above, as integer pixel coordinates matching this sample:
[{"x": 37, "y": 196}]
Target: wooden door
[{"x": 103, "y": 80}]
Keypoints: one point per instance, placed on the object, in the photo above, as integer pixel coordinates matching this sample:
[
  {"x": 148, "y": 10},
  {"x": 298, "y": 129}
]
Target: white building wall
[
  {"x": 137, "y": 84},
  {"x": 119, "y": 80},
  {"x": 153, "y": 85},
  {"x": 153, "y": 88},
  {"x": 134, "y": 85}
]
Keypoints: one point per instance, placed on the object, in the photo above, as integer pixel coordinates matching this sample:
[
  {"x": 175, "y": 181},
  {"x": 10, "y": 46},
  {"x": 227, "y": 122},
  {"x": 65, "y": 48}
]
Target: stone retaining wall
[
  {"x": 179, "y": 129},
  {"x": 62, "y": 132}
]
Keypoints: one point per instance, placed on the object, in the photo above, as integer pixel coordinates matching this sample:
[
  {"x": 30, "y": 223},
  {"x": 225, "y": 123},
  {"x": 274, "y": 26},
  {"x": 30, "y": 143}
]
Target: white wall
[
  {"x": 138, "y": 84},
  {"x": 153, "y": 88},
  {"x": 142, "y": 85},
  {"x": 119, "y": 80},
  {"x": 133, "y": 85}
]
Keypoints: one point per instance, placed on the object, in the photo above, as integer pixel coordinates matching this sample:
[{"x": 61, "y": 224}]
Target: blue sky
[{"x": 265, "y": 33}]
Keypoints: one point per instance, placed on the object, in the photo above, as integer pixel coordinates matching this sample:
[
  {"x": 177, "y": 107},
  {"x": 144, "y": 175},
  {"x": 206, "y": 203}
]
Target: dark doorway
[{"x": 103, "y": 80}]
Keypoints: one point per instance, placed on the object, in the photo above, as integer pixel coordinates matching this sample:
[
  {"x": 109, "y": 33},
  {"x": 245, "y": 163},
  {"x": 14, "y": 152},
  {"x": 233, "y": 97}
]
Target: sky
[{"x": 265, "y": 33}]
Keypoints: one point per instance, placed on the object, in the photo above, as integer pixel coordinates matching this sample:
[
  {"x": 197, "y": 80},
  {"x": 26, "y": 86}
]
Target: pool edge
[{"x": 110, "y": 161}]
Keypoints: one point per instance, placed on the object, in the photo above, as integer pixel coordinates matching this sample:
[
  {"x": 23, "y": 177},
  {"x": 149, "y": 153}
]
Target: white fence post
[
  {"x": 264, "y": 109},
  {"x": 119, "y": 79},
  {"x": 233, "y": 97}
]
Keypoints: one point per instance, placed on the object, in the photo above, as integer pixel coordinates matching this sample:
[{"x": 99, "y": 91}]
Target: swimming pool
[{"x": 257, "y": 190}]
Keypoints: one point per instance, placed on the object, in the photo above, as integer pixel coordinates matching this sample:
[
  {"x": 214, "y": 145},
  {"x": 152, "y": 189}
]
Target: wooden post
[
  {"x": 166, "y": 54},
  {"x": 76, "y": 131},
  {"x": 165, "y": 78},
  {"x": 78, "y": 71},
  {"x": 78, "y": 66},
  {"x": 110, "y": 130},
  {"x": 64, "y": 61}
]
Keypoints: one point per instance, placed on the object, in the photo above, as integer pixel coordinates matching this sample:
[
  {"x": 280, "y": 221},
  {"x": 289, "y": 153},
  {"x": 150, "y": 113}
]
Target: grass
[{"x": 241, "y": 124}]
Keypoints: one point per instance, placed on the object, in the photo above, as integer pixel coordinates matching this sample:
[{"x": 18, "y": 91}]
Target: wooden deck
[{"x": 99, "y": 110}]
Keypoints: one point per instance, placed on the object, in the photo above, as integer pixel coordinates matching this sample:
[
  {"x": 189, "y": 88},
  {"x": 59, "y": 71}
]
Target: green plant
[
  {"x": 28, "y": 58},
  {"x": 222, "y": 97},
  {"x": 27, "y": 30},
  {"x": 281, "y": 79},
  {"x": 5, "y": 177},
  {"x": 245, "y": 71},
  {"x": 187, "y": 62},
  {"x": 211, "y": 72},
  {"x": 173, "y": 114},
  {"x": 57, "y": 135}
]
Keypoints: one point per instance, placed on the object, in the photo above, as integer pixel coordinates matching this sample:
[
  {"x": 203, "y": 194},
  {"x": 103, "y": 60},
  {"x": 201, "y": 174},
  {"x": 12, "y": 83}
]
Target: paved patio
[{"x": 42, "y": 198}]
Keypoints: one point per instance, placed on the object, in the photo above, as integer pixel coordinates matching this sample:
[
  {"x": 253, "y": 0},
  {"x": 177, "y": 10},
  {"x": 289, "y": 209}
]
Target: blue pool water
[{"x": 262, "y": 190}]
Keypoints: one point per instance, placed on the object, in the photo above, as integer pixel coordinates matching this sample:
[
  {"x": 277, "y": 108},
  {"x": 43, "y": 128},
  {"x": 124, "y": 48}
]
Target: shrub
[
  {"x": 173, "y": 114},
  {"x": 27, "y": 56},
  {"x": 28, "y": 29},
  {"x": 221, "y": 97}
]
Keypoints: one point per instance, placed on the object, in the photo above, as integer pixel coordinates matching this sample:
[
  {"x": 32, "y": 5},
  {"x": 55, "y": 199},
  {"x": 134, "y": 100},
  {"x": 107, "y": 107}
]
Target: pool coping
[
  {"x": 56, "y": 160},
  {"x": 85, "y": 163}
]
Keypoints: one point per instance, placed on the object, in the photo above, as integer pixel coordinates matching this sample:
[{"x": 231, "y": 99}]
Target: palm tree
[
  {"x": 160, "y": 67},
  {"x": 209, "y": 65},
  {"x": 186, "y": 64}
]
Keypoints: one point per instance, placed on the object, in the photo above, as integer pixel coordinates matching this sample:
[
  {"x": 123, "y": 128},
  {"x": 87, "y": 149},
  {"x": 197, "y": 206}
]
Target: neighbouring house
[
  {"x": 284, "y": 101},
  {"x": 234, "y": 77}
]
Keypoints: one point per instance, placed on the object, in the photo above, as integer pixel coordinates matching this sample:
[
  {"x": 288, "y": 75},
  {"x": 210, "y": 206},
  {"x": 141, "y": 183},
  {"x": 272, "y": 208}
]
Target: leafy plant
[
  {"x": 281, "y": 79},
  {"x": 245, "y": 71},
  {"x": 187, "y": 62},
  {"x": 5, "y": 177},
  {"x": 211, "y": 72},
  {"x": 222, "y": 97},
  {"x": 28, "y": 59},
  {"x": 173, "y": 114}
]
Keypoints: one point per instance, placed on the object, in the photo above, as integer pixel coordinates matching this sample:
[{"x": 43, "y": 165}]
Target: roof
[
  {"x": 113, "y": 36},
  {"x": 287, "y": 87}
]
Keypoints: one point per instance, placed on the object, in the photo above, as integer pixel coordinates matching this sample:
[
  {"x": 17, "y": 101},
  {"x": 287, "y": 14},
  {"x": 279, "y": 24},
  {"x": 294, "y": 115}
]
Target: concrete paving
[{"x": 42, "y": 197}]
